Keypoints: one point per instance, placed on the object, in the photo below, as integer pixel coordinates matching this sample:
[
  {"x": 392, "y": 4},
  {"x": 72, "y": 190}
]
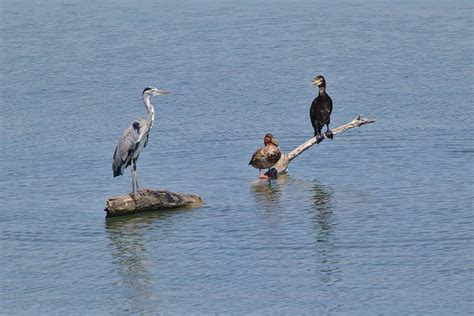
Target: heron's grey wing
[
  {"x": 146, "y": 140},
  {"x": 126, "y": 147},
  {"x": 142, "y": 129}
]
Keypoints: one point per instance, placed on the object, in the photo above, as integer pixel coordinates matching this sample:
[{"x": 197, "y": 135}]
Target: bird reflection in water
[
  {"x": 268, "y": 193},
  {"x": 322, "y": 199},
  {"x": 324, "y": 225},
  {"x": 130, "y": 256}
]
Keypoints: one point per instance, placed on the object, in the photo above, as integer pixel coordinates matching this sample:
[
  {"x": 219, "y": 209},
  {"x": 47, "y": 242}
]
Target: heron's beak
[{"x": 163, "y": 92}]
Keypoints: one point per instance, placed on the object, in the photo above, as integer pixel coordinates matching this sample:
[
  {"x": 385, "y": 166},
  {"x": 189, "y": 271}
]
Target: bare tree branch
[{"x": 282, "y": 164}]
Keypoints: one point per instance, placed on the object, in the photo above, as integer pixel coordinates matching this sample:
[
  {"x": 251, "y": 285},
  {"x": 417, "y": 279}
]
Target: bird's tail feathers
[{"x": 117, "y": 170}]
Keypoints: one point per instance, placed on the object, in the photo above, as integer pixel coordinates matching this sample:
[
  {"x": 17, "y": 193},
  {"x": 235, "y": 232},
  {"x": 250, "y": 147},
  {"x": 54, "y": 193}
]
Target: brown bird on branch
[{"x": 266, "y": 156}]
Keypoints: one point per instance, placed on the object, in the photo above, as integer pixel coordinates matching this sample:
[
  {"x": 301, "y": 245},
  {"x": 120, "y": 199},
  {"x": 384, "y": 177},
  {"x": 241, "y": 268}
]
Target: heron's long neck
[{"x": 150, "y": 109}]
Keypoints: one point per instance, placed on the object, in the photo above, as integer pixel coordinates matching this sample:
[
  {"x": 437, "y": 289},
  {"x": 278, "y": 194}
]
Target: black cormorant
[
  {"x": 266, "y": 156},
  {"x": 321, "y": 108}
]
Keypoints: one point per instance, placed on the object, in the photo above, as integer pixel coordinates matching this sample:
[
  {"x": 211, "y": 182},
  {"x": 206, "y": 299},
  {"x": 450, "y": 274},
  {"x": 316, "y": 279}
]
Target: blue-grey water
[{"x": 377, "y": 221}]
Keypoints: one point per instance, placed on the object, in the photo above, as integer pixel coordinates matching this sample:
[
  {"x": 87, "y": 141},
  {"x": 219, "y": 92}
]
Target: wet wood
[
  {"x": 146, "y": 200},
  {"x": 281, "y": 166}
]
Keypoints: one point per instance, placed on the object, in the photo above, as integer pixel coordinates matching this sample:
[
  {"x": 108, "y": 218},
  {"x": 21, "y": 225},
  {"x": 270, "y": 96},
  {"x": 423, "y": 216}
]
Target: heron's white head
[{"x": 149, "y": 91}]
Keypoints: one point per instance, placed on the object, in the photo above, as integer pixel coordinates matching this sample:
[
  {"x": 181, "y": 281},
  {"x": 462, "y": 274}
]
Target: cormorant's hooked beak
[
  {"x": 274, "y": 142},
  {"x": 317, "y": 82}
]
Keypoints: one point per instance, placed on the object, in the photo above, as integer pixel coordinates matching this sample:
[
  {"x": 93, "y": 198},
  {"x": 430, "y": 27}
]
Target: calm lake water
[{"x": 377, "y": 221}]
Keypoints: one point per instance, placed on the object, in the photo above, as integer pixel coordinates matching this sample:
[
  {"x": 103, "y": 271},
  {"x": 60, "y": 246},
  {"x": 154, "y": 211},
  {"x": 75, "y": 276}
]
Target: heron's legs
[
  {"x": 133, "y": 170},
  {"x": 136, "y": 174}
]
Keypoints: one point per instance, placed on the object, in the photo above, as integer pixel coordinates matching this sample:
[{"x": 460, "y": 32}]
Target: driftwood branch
[
  {"x": 282, "y": 164},
  {"x": 149, "y": 200}
]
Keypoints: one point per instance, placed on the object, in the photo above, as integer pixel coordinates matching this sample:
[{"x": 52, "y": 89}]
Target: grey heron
[{"x": 135, "y": 138}]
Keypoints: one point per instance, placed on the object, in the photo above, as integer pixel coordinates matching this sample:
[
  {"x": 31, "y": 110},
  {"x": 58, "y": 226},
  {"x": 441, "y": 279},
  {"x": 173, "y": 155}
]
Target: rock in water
[{"x": 146, "y": 200}]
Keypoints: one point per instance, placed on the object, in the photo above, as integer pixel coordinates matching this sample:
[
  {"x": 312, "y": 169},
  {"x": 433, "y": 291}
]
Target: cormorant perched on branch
[
  {"x": 266, "y": 156},
  {"x": 321, "y": 108}
]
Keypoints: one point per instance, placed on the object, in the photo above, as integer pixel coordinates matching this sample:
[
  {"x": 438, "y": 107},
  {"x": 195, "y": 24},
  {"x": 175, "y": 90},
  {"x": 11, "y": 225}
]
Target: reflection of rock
[{"x": 129, "y": 254}]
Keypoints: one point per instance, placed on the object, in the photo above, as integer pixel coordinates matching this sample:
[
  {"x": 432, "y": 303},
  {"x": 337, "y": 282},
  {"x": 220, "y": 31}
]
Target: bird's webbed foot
[
  {"x": 319, "y": 138},
  {"x": 271, "y": 173},
  {"x": 329, "y": 134},
  {"x": 261, "y": 175}
]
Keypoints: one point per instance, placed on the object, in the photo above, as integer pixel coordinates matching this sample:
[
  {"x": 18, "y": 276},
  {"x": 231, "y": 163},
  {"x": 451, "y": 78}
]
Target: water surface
[{"x": 377, "y": 221}]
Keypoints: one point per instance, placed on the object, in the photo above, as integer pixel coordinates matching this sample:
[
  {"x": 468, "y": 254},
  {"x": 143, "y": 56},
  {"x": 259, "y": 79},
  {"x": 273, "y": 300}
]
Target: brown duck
[{"x": 266, "y": 156}]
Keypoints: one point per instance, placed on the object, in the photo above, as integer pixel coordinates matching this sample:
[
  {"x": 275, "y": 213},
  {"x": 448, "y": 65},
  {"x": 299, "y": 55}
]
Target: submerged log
[
  {"x": 146, "y": 200},
  {"x": 281, "y": 166}
]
